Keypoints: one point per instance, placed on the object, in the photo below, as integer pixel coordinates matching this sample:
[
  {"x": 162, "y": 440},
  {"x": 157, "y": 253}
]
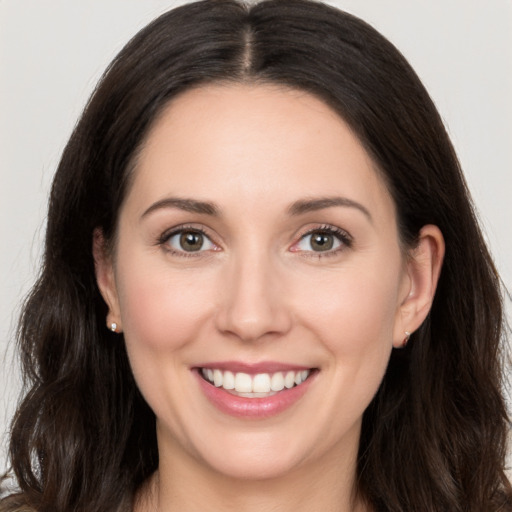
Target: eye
[
  {"x": 323, "y": 240},
  {"x": 318, "y": 241},
  {"x": 189, "y": 240}
]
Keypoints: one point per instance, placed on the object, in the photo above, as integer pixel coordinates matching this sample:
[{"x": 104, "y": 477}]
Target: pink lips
[
  {"x": 254, "y": 408},
  {"x": 254, "y": 368}
]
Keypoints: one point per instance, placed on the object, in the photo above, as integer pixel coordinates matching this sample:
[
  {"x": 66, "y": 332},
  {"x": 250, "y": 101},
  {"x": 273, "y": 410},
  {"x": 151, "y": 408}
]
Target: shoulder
[{"x": 15, "y": 503}]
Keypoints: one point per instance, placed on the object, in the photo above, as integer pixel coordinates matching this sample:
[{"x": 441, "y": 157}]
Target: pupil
[
  {"x": 191, "y": 241},
  {"x": 322, "y": 242}
]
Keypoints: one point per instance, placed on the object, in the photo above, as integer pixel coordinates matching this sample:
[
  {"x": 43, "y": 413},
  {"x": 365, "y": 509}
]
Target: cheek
[
  {"x": 354, "y": 317},
  {"x": 161, "y": 309},
  {"x": 354, "y": 311},
  {"x": 162, "y": 312}
]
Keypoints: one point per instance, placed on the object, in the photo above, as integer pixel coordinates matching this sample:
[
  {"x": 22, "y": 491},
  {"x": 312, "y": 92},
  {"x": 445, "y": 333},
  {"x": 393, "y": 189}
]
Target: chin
[{"x": 256, "y": 468}]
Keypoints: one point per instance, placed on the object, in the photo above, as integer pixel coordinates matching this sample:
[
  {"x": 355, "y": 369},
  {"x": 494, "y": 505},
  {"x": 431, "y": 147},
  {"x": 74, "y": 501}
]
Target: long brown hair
[{"x": 433, "y": 438}]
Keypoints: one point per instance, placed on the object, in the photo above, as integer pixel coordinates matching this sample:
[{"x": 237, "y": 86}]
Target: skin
[{"x": 260, "y": 291}]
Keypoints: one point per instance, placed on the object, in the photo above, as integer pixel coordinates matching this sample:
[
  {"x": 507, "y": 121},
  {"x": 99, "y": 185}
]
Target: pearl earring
[
  {"x": 113, "y": 327},
  {"x": 406, "y": 339}
]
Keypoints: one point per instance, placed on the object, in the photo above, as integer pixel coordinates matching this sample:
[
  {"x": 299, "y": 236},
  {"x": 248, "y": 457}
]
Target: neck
[{"x": 184, "y": 484}]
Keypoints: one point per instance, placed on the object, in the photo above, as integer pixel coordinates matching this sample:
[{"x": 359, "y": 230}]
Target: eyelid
[
  {"x": 164, "y": 238},
  {"x": 341, "y": 235}
]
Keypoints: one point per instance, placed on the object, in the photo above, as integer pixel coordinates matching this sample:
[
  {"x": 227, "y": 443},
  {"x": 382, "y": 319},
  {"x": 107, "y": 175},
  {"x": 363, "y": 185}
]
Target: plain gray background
[{"x": 52, "y": 52}]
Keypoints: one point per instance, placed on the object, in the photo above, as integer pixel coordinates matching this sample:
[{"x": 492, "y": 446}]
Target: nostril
[{"x": 253, "y": 324}]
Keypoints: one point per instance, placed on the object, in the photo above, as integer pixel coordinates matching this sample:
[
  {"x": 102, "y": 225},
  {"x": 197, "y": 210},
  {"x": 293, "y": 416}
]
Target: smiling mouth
[{"x": 260, "y": 385}]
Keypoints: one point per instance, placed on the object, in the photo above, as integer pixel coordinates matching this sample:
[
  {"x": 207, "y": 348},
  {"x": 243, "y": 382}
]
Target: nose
[{"x": 253, "y": 300}]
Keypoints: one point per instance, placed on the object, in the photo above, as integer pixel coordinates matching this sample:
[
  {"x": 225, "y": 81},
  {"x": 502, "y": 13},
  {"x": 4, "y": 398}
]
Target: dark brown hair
[{"x": 434, "y": 437}]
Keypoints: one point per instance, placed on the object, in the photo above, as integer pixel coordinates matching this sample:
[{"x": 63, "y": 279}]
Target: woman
[{"x": 264, "y": 286}]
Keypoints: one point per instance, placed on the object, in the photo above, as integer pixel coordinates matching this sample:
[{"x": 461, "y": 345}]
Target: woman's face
[{"x": 257, "y": 246}]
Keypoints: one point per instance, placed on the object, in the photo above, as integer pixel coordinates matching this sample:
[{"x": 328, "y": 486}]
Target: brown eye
[
  {"x": 191, "y": 241},
  {"x": 321, "y": 241},
  {"x": 188, "y": 241}
]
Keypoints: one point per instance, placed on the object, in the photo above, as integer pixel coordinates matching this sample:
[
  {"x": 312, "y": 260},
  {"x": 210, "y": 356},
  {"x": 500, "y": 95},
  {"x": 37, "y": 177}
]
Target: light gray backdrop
[{"x": 52, "y": 52}]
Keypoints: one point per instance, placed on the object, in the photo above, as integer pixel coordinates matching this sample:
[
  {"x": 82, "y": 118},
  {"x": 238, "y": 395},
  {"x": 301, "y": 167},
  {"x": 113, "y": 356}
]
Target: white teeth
[
  {"x": 229, "y": 380},
  {"x": 257, "y": 385},
  {"x": 289, "y": 380},
  {"x": 277, "y": 382},
  {"x": 243, "y": 383},
  {"x": 261, "y": 383},
  {"x": 300, "y": 377},
  {"x": 217, "y": 378}
]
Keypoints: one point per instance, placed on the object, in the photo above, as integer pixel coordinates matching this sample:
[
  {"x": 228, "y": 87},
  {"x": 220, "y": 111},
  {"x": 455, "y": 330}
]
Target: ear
[
  {"x": 105, "y": 278},
  {"x": 423, "y": 268}
]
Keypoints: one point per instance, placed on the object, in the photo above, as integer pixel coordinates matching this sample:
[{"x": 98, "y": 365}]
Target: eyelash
[
  {"x": 341, "y": 235},
  {"x": 167, "y": 235}
]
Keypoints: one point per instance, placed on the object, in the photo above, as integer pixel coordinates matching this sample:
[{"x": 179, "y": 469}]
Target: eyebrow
[
  {"x": 296, "y": 208},
  {"x": 187, "y": 205},
  {"x": 310, "y": 205}
]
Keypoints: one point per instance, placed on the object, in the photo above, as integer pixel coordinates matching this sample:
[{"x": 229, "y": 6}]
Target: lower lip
[{"x": 243, "y": 407}]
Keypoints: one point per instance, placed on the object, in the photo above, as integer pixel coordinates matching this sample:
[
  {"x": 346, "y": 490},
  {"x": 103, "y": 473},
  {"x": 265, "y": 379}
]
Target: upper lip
[{"x": 253, "y": 368}]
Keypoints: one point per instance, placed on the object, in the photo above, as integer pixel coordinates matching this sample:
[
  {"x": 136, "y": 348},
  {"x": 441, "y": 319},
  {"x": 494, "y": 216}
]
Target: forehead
[{"x": 252, "y": 143}]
